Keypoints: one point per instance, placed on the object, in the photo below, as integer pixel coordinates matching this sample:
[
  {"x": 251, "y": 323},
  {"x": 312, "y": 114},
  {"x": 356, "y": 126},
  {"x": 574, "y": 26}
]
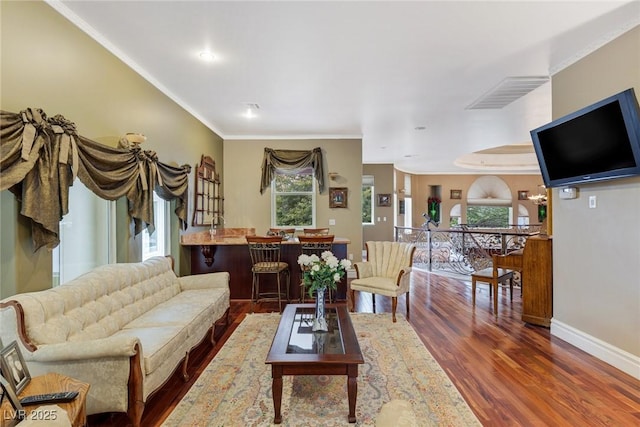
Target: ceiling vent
[{"x": 507, "y": 91}]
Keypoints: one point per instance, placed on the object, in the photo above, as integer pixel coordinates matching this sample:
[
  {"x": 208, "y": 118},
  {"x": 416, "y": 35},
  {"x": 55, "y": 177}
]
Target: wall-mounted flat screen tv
[{"x": 598, "y": 142}]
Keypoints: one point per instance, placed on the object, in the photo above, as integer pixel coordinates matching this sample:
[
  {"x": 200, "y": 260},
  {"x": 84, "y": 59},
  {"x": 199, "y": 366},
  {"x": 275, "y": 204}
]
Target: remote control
[{"x": 39, "y": 399}]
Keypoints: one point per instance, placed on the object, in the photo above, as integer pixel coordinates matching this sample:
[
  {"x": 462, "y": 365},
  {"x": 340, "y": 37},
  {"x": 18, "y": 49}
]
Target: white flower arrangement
[{"x": 323, "y": 271}]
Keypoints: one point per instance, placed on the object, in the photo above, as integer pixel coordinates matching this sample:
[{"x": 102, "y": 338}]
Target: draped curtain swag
[
  {"x": 41, "y": 156},
  {"x": 291, "y": 159}
]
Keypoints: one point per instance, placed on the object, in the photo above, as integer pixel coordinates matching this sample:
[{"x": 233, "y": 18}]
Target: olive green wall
[
  {"x": 246, "y": 207},
  {"x": 49, "y": 63},
  {"x": 596, "y": 252}
]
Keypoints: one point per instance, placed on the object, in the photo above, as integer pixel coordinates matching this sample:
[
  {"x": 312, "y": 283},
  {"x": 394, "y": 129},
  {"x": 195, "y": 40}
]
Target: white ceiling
[{"x": 370, "y": 70}]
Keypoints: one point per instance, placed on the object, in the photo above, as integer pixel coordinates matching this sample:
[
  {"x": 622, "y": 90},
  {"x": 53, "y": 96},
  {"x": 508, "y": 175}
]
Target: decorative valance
[
  {"x": 289, "y": 160},
  {"x": 40, "y": 158}
]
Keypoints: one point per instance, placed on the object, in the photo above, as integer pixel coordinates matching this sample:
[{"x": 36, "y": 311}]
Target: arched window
[
  {"x": 455, "y": 215},
  {"x": 489, "y": 203}
]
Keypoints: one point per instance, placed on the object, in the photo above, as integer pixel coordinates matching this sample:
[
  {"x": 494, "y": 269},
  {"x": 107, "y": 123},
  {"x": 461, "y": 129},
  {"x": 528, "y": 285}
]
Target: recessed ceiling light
[
  {"x": 251, "y": 109},
  {"x": 206, "y": 55}
]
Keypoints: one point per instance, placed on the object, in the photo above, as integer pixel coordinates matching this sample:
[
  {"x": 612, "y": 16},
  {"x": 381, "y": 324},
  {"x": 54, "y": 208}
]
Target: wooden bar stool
[
  {"x": 265, "y": 259},
  {"x": 316, "y": 231},
  {"x": 314, "y": 245},
  {"x": 283, "y": 232}
]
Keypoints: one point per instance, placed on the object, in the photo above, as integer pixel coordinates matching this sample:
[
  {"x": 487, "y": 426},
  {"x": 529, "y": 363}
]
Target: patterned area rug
[{"x": 235, "y": 389}]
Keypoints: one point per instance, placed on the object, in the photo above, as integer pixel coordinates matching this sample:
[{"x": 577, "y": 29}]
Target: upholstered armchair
[{"x": 386, "y": 272}]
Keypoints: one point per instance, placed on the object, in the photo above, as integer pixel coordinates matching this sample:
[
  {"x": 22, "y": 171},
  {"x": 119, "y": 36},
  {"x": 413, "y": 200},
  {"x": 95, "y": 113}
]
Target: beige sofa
[{"x": 123, "y": 328}]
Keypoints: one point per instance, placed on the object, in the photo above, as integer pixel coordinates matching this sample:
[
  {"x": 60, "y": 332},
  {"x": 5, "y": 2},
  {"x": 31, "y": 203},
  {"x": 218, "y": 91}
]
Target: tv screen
[{"x": 598, "y": 142}]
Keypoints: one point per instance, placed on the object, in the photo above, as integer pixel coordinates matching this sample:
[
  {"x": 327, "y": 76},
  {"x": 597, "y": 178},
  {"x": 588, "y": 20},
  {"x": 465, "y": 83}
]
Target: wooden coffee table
[{"x": 296, "y": 350}]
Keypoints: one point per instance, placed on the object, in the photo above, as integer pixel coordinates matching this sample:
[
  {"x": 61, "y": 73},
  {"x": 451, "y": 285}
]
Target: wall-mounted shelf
[{"x": 209, "y": 203}]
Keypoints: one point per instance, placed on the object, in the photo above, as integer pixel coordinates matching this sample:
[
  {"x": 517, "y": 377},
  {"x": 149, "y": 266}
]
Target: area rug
[{"x": 235, "y": 389}]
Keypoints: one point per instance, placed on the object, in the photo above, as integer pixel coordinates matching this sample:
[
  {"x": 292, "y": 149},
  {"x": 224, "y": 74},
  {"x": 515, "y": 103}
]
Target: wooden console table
[{"x": 52, "y": 383}]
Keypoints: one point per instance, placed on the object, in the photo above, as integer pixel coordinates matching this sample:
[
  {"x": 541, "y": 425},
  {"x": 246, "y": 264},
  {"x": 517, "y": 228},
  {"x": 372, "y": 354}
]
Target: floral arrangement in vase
[{"x": 321, "y": 273}]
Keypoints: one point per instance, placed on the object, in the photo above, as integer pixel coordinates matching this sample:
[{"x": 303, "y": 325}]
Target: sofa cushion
[
  {"x": 158, "y": 343},
  {"x": 188, "y": 307}
]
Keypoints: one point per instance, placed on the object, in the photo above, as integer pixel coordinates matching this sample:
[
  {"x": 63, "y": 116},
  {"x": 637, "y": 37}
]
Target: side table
[{"x": 51, "y": 383}]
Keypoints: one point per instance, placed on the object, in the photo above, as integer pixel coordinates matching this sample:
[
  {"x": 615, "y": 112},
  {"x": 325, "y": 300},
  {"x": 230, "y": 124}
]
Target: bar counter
[{"x": 227, "y": 250}]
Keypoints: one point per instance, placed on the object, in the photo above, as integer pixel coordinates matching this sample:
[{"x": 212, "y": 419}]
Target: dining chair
[{"x": 494, "y": 276}]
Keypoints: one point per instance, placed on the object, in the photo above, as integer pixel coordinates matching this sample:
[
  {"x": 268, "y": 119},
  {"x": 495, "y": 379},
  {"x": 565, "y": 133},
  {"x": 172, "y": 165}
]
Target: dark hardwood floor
[{"x": 509, "y": 372}]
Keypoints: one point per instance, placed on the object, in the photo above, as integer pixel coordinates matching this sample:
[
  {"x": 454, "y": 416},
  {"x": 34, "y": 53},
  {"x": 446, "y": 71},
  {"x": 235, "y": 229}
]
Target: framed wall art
[
  {"x": 523, "y": 194},
  {"x": 384, "y": 199},
  {"x": 455, "y": 194},
  {"x": 338, "y": 197}
]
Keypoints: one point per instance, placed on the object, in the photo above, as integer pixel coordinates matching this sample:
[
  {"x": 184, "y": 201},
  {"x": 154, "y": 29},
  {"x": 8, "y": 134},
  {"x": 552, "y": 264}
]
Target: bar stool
[
  {"x": 314, "y": 245},
  {"x": 287, "y": 233},
  {"x": 316, "y": 231},
  {"x": 265, "y": 259}
]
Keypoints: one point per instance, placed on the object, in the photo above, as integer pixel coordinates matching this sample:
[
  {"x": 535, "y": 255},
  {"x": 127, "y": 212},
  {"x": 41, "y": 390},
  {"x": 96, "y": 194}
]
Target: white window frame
[
  {"x": 311, "y": 193},
  {"x": 408, "y": 211},
  {"x": 162, "y": 224},
  {"x": 367, "y": 181}
]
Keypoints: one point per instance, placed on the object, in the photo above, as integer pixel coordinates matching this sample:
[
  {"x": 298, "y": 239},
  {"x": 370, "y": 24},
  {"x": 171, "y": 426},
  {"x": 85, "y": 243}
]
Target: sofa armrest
[
  {"x": 204, "y": 281},
  {"x": 364, "y": 269},
  {"x": 110, "y": 347}
]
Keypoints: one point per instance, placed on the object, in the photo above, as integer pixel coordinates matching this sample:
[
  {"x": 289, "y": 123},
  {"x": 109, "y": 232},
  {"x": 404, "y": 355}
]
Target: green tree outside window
[{"x": 294, "y": 199}]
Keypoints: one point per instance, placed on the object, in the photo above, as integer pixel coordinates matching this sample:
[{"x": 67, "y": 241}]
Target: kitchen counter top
[
  {"x": 232, "y": 236},
  {"x": 228, "y": 251}
]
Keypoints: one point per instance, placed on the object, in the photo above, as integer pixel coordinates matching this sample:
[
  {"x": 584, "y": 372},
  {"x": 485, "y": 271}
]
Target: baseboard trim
[{"x": 604, "y": 351}]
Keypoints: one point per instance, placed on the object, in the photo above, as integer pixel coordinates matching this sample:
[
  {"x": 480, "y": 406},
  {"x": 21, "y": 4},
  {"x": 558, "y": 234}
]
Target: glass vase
[
  {"x": 319, "y": 320},
  {"x": 434, "y": 212}
]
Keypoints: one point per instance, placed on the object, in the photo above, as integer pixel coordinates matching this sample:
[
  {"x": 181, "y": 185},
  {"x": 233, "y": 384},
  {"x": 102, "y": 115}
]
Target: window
[
  {"x": 293, "y": 199},
  {"x": 455, "y": 215},
  {"x": 367, "y": 199},
  {"x": 523, "y": 215},
  {"x": 489, "y": 216},
  {"x": 92, "y": 218},
  {"x": 157, "y": 244},
  {"x": 408, "y": 212}
]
